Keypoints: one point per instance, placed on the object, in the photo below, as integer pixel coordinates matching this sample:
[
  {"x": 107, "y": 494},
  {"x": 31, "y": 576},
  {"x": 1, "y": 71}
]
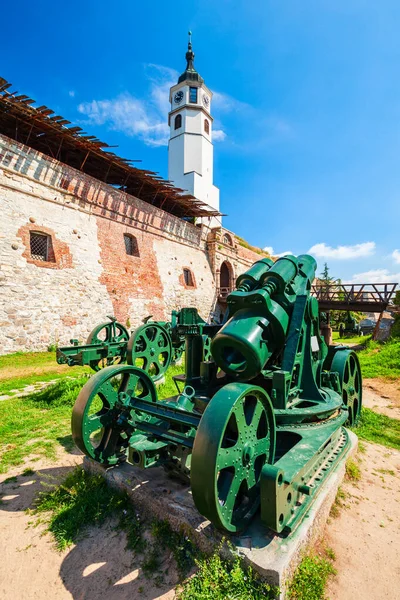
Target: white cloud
[
  {"x": 342, "y": 252},
  {"x": 129, "y": 115},
  {"x": 71, "y": 93},
  {"x": 218, "y": 135},
  {"x": 145, "y": 119},
  {"x": 375, "y": 276},
  {"x": 225, "y": 103},
  {"x": 271, "y": 251},
  {"x": 396, "y": 256}
]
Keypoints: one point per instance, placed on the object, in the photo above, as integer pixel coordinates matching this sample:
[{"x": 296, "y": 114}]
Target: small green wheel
[
  {"x": 150, "y": 349},
  {"x": 207, "y": 348},
  {"x": 346, "y": 363},
  {"x": 235, "y": 438},
  {"x": 108, "y": 333},
  {"x": 100, "y": 414}
]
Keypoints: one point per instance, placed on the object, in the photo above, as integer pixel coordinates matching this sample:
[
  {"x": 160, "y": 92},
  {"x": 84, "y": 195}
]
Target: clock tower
[{"x": 190, "y": 148}]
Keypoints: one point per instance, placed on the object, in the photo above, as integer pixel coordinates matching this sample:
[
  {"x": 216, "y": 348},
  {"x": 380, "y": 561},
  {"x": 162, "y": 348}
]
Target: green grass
[
  {"x": 217, "y": 579},
  {"x": 353, "y": 471},
  {"x": 21, "y": 369},
  {"x": 377, "y": 428},
  {"x": 37, "y": 424},
  {"x": 381, "y": 360},
  {"x": 83, "y": 500},
  {"x": 358, "y": 339},
  {"x": 310, "y": 579}
]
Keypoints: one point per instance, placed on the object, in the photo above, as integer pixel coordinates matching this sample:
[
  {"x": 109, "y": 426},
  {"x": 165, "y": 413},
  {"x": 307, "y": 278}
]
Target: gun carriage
[
  {"x": 349, "y": 326},
  {"x": 152, "y": 347},
  {"x": 260, "y": 422}
]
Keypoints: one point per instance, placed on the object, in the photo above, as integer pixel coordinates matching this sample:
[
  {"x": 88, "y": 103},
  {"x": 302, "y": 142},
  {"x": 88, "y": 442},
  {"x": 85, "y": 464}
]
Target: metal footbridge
[{"x": 362, "y": 297}]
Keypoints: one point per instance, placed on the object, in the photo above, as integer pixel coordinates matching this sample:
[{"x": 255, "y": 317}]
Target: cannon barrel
[{"x": 260, "y": 310}]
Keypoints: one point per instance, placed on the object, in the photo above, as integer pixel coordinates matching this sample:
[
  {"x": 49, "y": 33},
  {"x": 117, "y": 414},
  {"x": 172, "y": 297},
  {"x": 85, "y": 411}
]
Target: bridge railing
[{"x": 380, "y": 293}]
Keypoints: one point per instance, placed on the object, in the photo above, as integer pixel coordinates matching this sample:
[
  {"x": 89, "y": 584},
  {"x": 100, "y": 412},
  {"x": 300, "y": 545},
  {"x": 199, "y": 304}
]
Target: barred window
[
  {"x": 131, "y": 245},
  {"x": 188, "y": 278},
  {"x": 41, "y": 247}
]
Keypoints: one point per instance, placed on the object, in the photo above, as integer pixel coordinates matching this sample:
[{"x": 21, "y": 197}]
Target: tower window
[
  {"x": 178, "y": 122},
  {"x": 131, "y": 245},
  {"x": 41, "y": 247},
  {"x": 188, "y": 278},
  {"x": 193, "y": 95},
  {"x": 207, "y": 126}
]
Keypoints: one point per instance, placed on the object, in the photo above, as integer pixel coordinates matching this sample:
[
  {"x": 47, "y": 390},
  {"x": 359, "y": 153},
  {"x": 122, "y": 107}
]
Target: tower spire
[{"x": 190, "y": 72}]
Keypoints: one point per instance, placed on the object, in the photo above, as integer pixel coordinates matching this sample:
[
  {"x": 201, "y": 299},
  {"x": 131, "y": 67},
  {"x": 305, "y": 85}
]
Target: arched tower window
[
  {"x": 178, "y": 122},
  {"x": 207, "y": 126},
  {"x": 227, "y": 239}
]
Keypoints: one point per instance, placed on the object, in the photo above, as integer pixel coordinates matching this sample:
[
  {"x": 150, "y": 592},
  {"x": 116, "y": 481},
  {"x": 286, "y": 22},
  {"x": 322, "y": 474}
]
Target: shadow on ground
[{"x": 97, "y": 565}]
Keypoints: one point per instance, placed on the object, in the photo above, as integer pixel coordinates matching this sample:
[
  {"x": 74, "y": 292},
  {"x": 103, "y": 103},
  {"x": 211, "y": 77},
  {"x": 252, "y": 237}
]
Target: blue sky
[{"x": 307, "y": 105}]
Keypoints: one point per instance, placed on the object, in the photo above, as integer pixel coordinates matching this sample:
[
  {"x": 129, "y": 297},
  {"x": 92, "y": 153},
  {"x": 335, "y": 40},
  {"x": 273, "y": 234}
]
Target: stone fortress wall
[{"x": 89, "y": 274}]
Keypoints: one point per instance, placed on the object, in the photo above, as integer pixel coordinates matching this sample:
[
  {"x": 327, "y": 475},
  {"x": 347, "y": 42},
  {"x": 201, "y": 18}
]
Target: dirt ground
[
  {"x": 382, "y": 396},
  {"x": 365, "y": 537}
]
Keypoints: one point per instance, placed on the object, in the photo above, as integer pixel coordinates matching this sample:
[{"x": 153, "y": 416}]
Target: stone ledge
[{"x": 274, "y": 556}]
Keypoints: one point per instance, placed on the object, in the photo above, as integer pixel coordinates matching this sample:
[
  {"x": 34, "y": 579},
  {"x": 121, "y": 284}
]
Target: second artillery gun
[
  {"x": 153, "y": 346},
  {"x": 260, "y": 425}
]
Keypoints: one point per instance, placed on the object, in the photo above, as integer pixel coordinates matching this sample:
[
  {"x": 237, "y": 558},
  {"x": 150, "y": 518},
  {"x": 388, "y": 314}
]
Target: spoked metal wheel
[
  {"x": 346, "y": 363},
  {"x": 235, "y": 438},
  {"x": 107, "y": 332},
  {"x": 150, "y": 349},
  {"x": 99, "y": 417}
]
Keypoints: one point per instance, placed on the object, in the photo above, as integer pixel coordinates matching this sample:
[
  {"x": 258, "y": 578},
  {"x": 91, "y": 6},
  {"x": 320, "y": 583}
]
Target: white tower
[{"x": 190, "y": 148}]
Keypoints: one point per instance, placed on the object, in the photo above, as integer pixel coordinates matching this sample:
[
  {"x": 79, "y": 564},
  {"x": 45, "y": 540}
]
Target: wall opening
[
  {"x": 188, "y": 277},
  {"x": 41, "y": 247},
  {"x": 131, "y": 245}
]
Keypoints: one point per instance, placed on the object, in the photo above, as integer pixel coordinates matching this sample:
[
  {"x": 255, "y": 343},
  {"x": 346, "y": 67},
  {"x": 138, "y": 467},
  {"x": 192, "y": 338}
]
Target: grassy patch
[
  {"x": 353, "y": 471},
  {"x": 21, "y": 369},
  {"x": 357, "y": 339},
  {"x": 83, "y": 500},
  {"x": 339, "y": 503},
  {"x": 381, "y": 360},
  {"x": 179, "y": 544},
  {"x": 377, "y": 428},
  {"x": 36, "y": 424},
  {"x": 310, "y": 579},
  {"x": 217, "y": 579}
]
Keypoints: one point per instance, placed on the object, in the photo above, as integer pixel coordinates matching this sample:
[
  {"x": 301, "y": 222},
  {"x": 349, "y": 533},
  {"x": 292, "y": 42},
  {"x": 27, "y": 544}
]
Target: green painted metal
[
  {"x": 110, "y": 343},
  {"x": 150, "y": 348},
  {"x": 258, "y": 423},
  {"x": 349, "y": 326},
  {"x": 105, "y": 346}
]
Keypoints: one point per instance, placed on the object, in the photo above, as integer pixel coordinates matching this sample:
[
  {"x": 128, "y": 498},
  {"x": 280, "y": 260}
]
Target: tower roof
[{"x": 190, "y": 72}]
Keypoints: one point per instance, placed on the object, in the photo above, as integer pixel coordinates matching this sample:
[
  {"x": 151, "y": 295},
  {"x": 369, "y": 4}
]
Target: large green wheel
[
  {"x": 346, "y": 363},
  {"x": 112, "y": 331},
  {"x": 235, "y": 438},
  {"x": 99, "y": 417},
  {"x": 150, "y": 349}
]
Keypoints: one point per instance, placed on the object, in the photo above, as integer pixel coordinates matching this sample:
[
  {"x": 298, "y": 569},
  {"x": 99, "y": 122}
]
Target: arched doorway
[{"x": 225, "y": 280}]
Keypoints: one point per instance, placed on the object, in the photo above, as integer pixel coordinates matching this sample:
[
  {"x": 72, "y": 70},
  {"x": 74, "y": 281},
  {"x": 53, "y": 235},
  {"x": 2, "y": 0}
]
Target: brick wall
[{"x": 88, "y": 274}]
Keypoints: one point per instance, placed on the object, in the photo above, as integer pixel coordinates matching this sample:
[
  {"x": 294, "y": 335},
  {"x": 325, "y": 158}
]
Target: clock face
[
  {"x": 206, "y": 101},
  {"x": 178, "y": 97}
]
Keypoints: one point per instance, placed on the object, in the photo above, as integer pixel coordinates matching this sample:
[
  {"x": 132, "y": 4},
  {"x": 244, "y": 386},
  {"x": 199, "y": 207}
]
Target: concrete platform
[{"x": 274, "y": 556}]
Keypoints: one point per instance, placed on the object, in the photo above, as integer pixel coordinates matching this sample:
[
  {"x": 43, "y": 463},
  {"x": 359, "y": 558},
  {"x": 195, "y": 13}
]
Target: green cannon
[
  {"x": 153, "y": 346},
  {"x": 260, "y": 422},
  {"x": 349, "y": 326}
]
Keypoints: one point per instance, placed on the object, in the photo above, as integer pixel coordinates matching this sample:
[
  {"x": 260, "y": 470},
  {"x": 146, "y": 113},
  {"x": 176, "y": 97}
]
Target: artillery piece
[
  {"x": 153, "y": 346},
  {"x": 258, "y": 426},
  {"x": 349, "y": 326}
]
